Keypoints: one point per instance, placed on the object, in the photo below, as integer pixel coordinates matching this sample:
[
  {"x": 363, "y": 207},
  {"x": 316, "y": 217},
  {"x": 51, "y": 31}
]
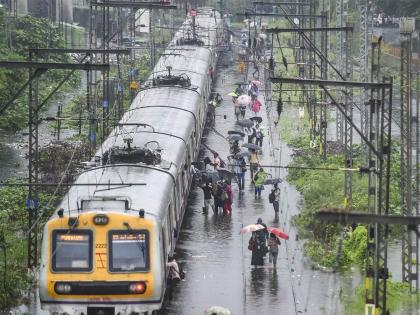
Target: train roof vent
[
  {"x": 189, "y": 40},
  {"x": 172, "y": 80},
  {"x": 132, "y": 155}
]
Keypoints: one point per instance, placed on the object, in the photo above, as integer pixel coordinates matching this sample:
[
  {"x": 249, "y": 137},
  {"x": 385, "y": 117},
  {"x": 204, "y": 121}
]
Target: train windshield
[
  {"x": 72, "y": 250},
  {"x": 129, "y": 251}
]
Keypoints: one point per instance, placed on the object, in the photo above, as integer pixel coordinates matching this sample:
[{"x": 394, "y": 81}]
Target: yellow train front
[{"x": 103, "y": 260}]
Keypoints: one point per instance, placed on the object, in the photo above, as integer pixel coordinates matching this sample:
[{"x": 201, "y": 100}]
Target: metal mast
[
  {"x": 348, "y": 130},
  {"x": 363, "y": 9},
  {"x": 324, "y": 76},
  {"x": 339, "y": 61},
  {"x": 410, "y": 239}
]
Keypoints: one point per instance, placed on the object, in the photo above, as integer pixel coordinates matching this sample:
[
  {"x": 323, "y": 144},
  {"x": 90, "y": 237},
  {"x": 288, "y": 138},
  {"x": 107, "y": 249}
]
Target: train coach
[{"x": 105, "y": 249}]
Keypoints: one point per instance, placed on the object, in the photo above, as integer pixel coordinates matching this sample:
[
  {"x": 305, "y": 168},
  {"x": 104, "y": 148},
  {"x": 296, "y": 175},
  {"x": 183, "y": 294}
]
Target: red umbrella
[{"x": 278, "y": 232}]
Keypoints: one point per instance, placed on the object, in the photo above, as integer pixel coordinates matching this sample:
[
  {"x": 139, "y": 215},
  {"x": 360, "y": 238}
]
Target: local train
[{"x": 104, "y": 251}]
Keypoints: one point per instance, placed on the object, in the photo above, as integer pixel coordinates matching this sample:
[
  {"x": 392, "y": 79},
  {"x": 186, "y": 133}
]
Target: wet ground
[{"x": 215, "y": 256}]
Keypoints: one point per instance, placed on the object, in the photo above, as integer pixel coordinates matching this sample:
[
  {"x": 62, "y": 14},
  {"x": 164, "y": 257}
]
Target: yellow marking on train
[{"x": 100, "y": 266}]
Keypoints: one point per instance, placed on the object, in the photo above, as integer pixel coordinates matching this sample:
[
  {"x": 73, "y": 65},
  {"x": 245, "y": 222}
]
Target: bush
[{"x": 14, "y": 278}]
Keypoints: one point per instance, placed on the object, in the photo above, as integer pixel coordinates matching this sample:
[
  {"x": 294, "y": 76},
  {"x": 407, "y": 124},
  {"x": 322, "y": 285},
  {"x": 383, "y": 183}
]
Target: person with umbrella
[
  {"x": 250, "y": 133},
  {"x": 217, "y": 195},
  {"x": 259, "y": 247},
  {"x": 241, "y": 174},
  {"x": 256, "y": 106},
  {"x": 276, "y": 193},
  {"x": 242, "y": 102},
  {"x": 237, "y": 109},
  {"x": 216, "y": 161},
  {"x": 259, "y": 135},
  {"x": 227, "y": 198},
  {"x": 234, "y": 147},
  {"x": 259, "y": 180},
  {"x": 208, "y": 197},
  {"x": 273, "y": 249},
  {"x": 239, "y": 90},
  {"x": 254, "y": 162}
]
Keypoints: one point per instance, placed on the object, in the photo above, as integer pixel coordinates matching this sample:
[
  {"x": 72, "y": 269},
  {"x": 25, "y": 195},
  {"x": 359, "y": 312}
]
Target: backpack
[
  {"x": 243, "y": 166},
  {"x": 271, "y": 197}
]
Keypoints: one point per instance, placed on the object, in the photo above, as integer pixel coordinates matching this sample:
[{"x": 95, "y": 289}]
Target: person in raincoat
[{"x": 259, "y": 180}]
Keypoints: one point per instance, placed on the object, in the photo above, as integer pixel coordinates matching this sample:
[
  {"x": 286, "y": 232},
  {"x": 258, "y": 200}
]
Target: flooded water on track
[{"x": 215, "y": 256}]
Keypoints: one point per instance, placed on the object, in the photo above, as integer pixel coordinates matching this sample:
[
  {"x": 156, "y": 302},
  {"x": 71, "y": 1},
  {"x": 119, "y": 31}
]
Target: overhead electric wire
[{"x": 46, "y": 207}]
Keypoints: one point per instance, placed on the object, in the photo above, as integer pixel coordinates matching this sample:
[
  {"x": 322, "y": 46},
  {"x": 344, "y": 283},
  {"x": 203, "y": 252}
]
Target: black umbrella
[
  {"x": 246, "y": 123},
  {"x": 235, "y": 138},
  {"x": 251, "y": 146},
  {"x": 225, "y": 174},
  {"x": 272, "y": 181},
  {"x": 242, "y": 154},
  {"x": 236, "y": 132},
  {"x": 212, "y": 175},
  {"x": 257, "y": 119}
]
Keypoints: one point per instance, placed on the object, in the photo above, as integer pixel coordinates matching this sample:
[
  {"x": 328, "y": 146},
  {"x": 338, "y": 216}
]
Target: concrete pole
[
  {"x": 67, "y": 11},
  {"x": 22, "y": 7}
]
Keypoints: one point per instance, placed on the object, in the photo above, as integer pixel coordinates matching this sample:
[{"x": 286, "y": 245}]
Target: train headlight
[
  {"x": 62, "y": 288},
  {"x": 137, "y": 287}
]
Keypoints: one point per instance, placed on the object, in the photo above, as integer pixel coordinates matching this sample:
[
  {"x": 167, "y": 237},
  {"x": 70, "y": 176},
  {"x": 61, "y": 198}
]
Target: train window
[
  {"x": 128, "y": 250},
  {"x": 72, "y": 250}
]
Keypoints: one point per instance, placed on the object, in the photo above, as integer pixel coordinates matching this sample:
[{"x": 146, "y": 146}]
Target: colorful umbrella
[
  {"x": 277, "y": 232},
  {"x": 243, "y": 100},
  {"x": 251, "y": 228}
]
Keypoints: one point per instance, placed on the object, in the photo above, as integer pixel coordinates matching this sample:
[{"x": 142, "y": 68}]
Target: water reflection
[
  {"x": 257, "y": 284},
  {"x": 273, "y": 282}
]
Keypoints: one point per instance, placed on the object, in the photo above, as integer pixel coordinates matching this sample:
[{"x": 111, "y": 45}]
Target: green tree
[{"x": 400, "y": 8}]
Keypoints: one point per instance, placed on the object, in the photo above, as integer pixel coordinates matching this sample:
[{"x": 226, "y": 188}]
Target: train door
[{"x": 171, "y": 227}]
